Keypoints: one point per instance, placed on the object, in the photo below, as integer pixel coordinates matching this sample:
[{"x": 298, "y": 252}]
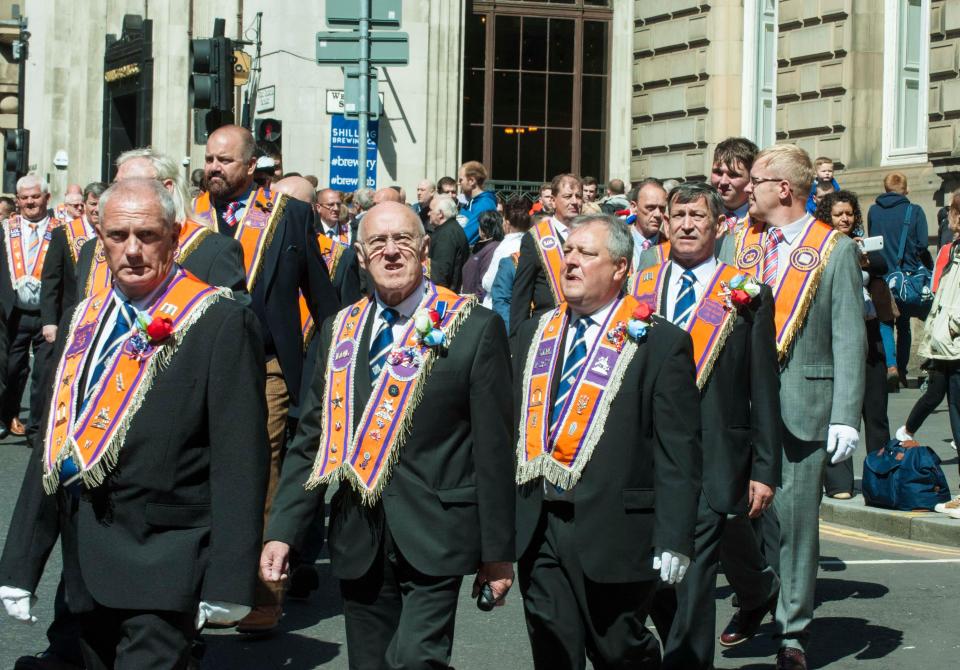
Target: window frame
[
  {"x": 893, "y": 67},
  {"x": 751, "y": 100}
]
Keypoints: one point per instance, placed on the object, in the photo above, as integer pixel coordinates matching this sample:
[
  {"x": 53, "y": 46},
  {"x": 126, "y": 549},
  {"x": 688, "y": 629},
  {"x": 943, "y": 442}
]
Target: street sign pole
[{"x": 364, "y": 90}]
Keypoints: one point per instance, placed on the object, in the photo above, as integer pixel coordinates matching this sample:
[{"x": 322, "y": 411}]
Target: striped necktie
[
  {"x": 770, "y": 256},
  {"x": 33, "y": 244},
  {"x": 126, "y": 315},
  {"x": 382, "y": 343},
  {"x": 230, "y": 213},
  {"x": 686, "y": 299},
  {"x": 571, "y": 368},
  {"x": 646, "y": 244}
]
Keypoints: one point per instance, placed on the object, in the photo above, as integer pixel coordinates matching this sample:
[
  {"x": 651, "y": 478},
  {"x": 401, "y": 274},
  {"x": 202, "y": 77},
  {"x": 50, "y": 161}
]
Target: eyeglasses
[
  {"x": 756, "y": 181},
  {"x": 403, "y": 241}
]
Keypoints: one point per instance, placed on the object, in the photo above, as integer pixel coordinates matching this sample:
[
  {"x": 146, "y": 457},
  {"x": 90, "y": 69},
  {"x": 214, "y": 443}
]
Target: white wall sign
[
  {"x": 335, "y": 101},
  {"x": 266, "y": 99}
]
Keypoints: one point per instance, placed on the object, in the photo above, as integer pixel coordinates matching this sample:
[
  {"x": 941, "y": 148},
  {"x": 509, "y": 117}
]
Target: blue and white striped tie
[
  {"x": 686, "y": 300},
  {"x": 571, "y": 368},
  {"x": 382, "y": 343}
]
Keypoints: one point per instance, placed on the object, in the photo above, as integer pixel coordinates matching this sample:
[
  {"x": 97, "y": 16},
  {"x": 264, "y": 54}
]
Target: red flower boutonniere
[
  {"x": 642, "y": 312},
  {"x": 159, "y": 329}
]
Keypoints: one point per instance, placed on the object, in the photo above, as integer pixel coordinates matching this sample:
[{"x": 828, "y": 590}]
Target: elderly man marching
[
  {"x": 730, "y": 319},
  {"x": 821, "y": 343},
  {"x": 608, "y": 460},
  {"x": 159, "y": 475},
  {"x": 407, "y": 412}
]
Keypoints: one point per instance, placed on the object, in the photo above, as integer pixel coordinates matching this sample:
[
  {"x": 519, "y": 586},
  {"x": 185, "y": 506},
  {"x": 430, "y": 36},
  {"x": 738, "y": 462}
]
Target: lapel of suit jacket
[
  {"x": 667, "y": 309},
  {"x": 362, "y": 388},
  {"x": 274, "y": 252}
]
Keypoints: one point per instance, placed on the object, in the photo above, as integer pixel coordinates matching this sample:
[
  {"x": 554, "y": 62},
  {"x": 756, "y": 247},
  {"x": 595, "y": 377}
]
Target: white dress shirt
[
  {"x": 406, "y": 309},
  {"x": 28, "y": 295},
  {"x": 510, "y": 244},
  {"x": 333, "y": 232},
  {"x": 791, "y": 240},
  {"x": 703, "y": 274},
  {"x": 593, "y": 330}
]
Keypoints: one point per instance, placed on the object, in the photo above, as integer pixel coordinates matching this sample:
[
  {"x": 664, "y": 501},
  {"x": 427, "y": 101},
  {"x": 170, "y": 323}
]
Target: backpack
[{"x": 904, "y": 476}]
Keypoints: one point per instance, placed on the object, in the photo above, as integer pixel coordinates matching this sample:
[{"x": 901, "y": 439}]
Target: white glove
[
  {"x": 841, "y": 442},
  {"x": 18, "y": 602},
  {"x": 218, "y": 612},
  {"x": 672, "y": 566}
]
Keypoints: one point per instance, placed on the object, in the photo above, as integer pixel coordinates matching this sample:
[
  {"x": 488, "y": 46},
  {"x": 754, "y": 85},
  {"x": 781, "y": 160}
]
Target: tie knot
[
  {"x": 775, "y": 235},
  {"x": 583, "y": 323},
  {"x": 128, "y": 312},
  {"x": 688, "y": 278},
  {"x": 389, "y": 315}
]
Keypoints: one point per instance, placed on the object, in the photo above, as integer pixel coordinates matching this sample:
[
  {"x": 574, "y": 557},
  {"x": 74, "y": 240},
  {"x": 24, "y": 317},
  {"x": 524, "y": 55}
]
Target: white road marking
[{"x": 889, "y": 561}]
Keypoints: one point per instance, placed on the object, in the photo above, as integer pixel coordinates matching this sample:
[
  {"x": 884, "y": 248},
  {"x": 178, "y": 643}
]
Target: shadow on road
[{"x": 290, "y": 651}]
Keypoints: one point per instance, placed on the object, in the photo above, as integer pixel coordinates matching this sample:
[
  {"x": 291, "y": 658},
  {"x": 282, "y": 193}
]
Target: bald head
[
  {"x": 229, "y": 162},
  {"x": 297, "y": 188},
  {"x": 386, "y": 195},
  {"x": 393, "y": 211},
  {"x": 74, "y": 188}
]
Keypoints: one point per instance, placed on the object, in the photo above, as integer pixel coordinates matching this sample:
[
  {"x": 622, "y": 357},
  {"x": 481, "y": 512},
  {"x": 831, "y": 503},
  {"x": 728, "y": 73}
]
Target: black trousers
[
  {"x": 398, "y": 617},
  {"x": 63, "y": 633},
  {"x": 569, "y": 617},
  {"x": 135, "y": 639},
  {"x": 24, "y": 332}
]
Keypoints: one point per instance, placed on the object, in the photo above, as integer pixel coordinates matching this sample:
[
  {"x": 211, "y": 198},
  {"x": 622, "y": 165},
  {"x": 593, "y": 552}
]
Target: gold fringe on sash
[
  {"x": 783, "y": 348},
  {"x": 272, "y": 222}
]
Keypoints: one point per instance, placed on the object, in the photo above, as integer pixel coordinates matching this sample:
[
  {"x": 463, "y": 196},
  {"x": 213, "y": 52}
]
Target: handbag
[
  {"x": 904, "y": 476},
  {"x": 910, "y": 288}
]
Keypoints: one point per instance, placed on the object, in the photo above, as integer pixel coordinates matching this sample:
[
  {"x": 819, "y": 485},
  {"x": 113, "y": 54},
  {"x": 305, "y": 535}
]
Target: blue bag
[
  {"x": 904, "y": 476},
  {"x": 911, "y": 289}
]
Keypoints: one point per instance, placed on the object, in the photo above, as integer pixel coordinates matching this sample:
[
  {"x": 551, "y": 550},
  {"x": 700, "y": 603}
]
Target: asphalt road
[{"x": 882, "y": 603}]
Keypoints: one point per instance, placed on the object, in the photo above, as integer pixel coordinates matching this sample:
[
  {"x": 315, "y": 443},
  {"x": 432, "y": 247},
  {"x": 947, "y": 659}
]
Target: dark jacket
[
  {"x": 476, "y": 266},
  {"x": 449, "y": 502},
  {"x": 640, "y": 489},
  {"x": 887, "y": 218},
  {"x": 448, "y": 253},
  {"x": 58, "y": 282},
  {"x": 532, "y": 295}
]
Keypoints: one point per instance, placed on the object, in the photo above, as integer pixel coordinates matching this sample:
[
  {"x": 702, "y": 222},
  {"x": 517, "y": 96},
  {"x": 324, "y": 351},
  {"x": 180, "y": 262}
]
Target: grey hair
[
  {"x": 447, "y": 206},
  {"x": 619, "y": 239},
  {"x": 129, "y": 189},
  {"x": 688, "y": 192},
  {"x": 94, "y": 188},
  {"x": 31, "y": 180},
  {"x": 166, "y": 168},
  {"x": 364, "y": 198}
]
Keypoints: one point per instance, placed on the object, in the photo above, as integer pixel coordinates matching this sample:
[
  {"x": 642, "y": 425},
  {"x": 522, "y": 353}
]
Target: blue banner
[{"x": 344, "y": 144}]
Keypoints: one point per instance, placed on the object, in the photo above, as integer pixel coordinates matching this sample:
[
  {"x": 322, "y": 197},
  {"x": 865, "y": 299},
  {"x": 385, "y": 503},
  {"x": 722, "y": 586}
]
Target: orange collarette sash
[
  {"x": 94, "y": 437},
  {"x": 78, "y": 231},
  {"x": 254, "y": 231},
  {"x": 798, "y": 282},
  {"x": 365, "y": 456},
  {"x": 712, "y": 318},
  {"x": 561, "y": 456},
  {"x": 192, "y": 233},
  {"x": 551, "y": 255},
  {"x": 14, "y": 239},
  {"x": 331, "y": 250}
]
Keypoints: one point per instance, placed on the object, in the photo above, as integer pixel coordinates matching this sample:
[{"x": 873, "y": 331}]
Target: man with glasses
[
  {"x": 408, "y": 411},
  {"x": 821, "y": 344}
]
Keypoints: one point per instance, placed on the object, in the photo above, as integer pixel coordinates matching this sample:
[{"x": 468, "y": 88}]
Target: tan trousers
[{"x": 278, "y": 404}]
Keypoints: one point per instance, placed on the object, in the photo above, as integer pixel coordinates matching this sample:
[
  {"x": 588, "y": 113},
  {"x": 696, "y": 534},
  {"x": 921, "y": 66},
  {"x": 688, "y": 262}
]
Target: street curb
[{"x": 919, "y": 526}]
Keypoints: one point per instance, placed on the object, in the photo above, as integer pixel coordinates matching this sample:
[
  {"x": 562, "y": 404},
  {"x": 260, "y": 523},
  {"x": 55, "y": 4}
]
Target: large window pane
[
  {"x": 473, "y": 96},
  {"x": 534, "y": 43},
  {"x": 592, "y": 150},
  {"x": 530, "y": 167},
  {"x": 504, "y": 154},
  {"x": 559, "y": 100},
  {"x": 909, "y": 104},
  {"x": 594, "y": 47},
  {"x": 559, "y": 150},
  {"x": 475, "y": 41},
  {"x": 911, "y": 33},
  {"x": 561, "y": 45},
  {"x": 533, "y": 99},
  {"x": 593, "y": 108},
  {"x": 506, "y": 97},
  {"x": 473, "y": 143},
  {"x": 506, "y": 55}
]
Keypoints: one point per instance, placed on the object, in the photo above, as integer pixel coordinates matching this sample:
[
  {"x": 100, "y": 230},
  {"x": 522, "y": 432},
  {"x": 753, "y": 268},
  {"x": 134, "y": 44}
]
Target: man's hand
[
  {"x": 275, "y": 561},
  {"x": 761, "y": 497},
  {"x": 672, "y": 565},
  {"x": 18, "y": 602},
  {"x": 499, "y": 575},
  {"x": 841, "y": 442},
  {"x": 49, "y": 333}
]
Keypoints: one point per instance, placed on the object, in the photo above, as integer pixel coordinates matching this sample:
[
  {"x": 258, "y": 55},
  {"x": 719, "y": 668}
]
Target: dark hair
[
  {"x": 517, "y": 213},
  {"x": 95, "y": 188},
  {"x": 491, "y": 224},
  {"x": 589, "y": 181},
  {"x": 825, "y": 209},
  {"x": 562, "y": 179},
  {"x": 688, "y": 192},
  {"x": 735, "y": 150},
  {"x": 445, "y": 181},
  {"x": 10, "y": 201}
]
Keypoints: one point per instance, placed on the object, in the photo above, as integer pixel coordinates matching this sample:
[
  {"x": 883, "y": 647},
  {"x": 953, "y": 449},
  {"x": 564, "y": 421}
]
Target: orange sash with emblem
[
  {"x": 78, "y": 231},
  {"x": 366, "y": 455},
  {"x": 713, "y": 316},
  {"x": 551, "y": 255},
  {"x": 797, "y": 286},
  {"x": 93, "y": 438},
  {"x": 14, "y": 239}
]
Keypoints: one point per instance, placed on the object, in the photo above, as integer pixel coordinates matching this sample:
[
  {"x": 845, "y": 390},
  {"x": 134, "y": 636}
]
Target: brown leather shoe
[
  {"x": 17, "y": 428},
  {"x": 745, "y": 623},
  {"x": 262, "y": 620},
  {"x": 789, "y": 658}
]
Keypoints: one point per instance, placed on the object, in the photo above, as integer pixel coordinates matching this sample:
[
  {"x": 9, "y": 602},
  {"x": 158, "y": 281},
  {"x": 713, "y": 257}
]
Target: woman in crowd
[
  {"x": 842, "y": 210},
  {"x": 491, "y": 233},
  {"x": 516, "y": 221}
]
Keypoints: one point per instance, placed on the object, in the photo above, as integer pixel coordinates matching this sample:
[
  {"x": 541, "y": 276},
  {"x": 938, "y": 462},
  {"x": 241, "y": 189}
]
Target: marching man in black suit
[
  {"x": 608, "y": 460},
  {"x": 731, "y": 323},
  {"x": 159, "y": 474},
  {"x": 407, "y": 412}
]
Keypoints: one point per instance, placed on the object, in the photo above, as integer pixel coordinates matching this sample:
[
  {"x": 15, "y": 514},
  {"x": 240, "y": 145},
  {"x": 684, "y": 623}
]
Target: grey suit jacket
[{"x": 822, "y": 377}]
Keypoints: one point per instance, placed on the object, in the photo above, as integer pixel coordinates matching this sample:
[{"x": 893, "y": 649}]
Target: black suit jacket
[
  {"x": 449, "y": 250},
  {"x": 180, "y": 516},
  {"x": 449, "y": 503},
  {"x": 640, "y": 489},
  {"x": 58, "y": 282},
  {"x": 740, "y": 409},
  {"x": 530, "y": 286}
]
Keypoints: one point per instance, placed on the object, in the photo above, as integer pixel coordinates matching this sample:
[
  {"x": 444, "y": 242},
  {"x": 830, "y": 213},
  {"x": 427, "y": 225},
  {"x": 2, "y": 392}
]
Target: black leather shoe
[
  {"x": 789, "y": 658},
  {"x": 745, "y": 623},
  {"x": 44, "y": 661}
]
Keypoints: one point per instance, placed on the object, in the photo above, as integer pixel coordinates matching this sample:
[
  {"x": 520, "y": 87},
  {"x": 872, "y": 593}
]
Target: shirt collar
[
  {"x": 791, "y": 230},
  {"x": 740, "y": 211},
  {"x": 41, "y": 224},
  {"x": 148, "y": 300},
  {"x": 703, "y": 272},
  {"x": 408, "y": 305},
  {"x": 242, "y": 199},
  {"x": 560, "y": 226}
]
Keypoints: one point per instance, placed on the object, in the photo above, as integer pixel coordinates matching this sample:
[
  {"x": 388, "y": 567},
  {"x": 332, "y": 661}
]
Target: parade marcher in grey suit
[{"x": 821, "y": 343}]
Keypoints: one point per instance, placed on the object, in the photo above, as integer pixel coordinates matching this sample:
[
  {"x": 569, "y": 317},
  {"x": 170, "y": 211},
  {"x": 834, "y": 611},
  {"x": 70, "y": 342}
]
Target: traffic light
[
  {"x": 211, "y": 81},
  {"x": 16, "y": 145},
  {"x": 268, "y": 130}
]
